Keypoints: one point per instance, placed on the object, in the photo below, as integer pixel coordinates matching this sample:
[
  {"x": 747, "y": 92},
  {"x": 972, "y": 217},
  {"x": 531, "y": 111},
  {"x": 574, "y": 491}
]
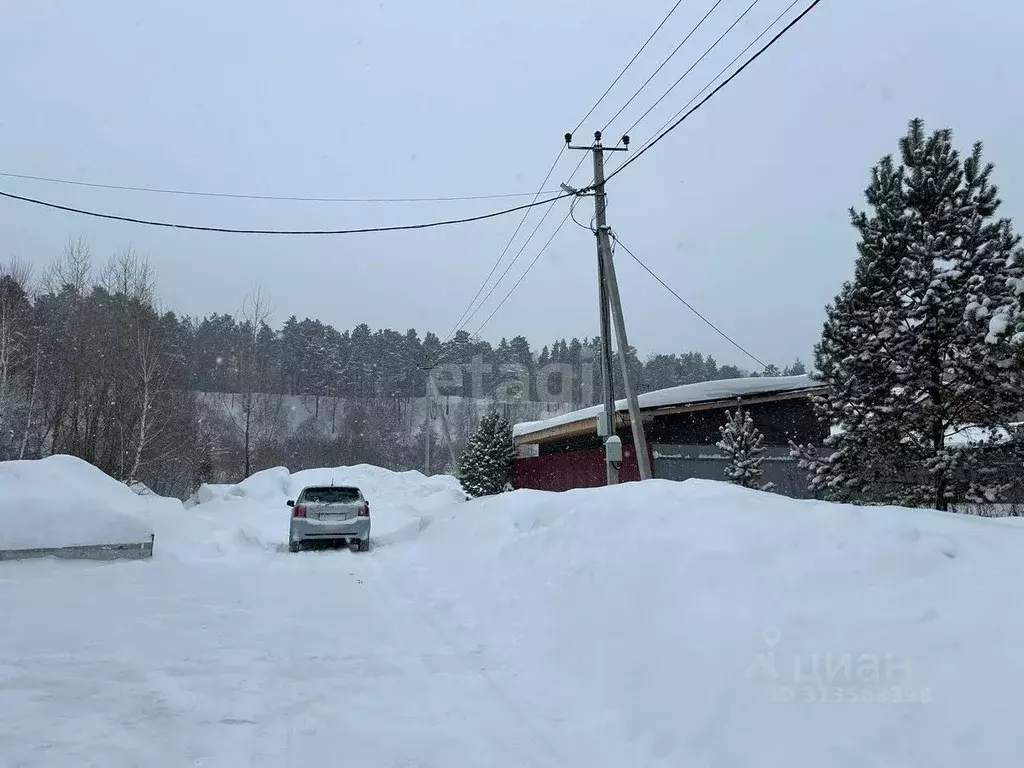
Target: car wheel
[
  {"x": 364, "y": 545},
  {"x": 294, "y": 546}
]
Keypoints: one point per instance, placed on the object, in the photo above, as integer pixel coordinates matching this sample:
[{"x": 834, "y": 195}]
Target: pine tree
[
  {"x": 485, "y": 467},
  {"x": 796, "y": 369},
  {"x": 907, "y": 349},
  {"x": 743, "y": 445}
]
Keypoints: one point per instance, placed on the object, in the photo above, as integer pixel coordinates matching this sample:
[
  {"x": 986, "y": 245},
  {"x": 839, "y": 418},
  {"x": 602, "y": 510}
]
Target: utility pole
[
  {"x": 446, "y": 433},
  {"x": 607, "y": 376},
  {"x": 427, "y": 407},
  {"x": 611, "y": 303}
]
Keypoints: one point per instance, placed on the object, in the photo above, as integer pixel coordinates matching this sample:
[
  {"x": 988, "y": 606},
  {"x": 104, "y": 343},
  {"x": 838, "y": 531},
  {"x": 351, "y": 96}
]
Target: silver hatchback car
[{"x": 330, "y": 513}]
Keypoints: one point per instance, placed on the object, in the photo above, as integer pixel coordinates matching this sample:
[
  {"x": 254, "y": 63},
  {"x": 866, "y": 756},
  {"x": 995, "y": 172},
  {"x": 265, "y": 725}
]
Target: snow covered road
[
  {"x": 655, "y": 624},
  {"x": 229, "y": 651},
  {"x": 318, "y": 659}
]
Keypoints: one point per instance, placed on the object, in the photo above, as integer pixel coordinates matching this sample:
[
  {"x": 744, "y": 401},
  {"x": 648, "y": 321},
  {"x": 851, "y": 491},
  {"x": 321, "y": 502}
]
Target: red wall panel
[{"x": 578, "y": 469}]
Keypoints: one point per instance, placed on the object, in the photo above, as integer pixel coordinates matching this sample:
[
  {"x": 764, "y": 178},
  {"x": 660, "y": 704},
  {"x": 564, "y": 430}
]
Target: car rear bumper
[{"x": 304, "y": 529}]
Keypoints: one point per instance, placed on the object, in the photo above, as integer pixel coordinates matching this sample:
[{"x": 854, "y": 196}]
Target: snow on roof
[{"x": 704, "y": 391}]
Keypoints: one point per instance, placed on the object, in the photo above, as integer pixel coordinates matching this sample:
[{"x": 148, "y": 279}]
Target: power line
[
  {"x": 520, "y": 252},
  {"x": 229, "y": 230},
  {"x": 572, "y": 214},
  {"x": 462, "y": 317},
  {"x": 711, "y": 95},
  {"x": 662, "y": 65},
  {"x": 447, "y": 354},
  {"x": 522, "y": 276},
  {"x": 692, "y": 66},
  {"x": 241, "y": 196},
  {"x": 724, "y": 69},
  {"x": 628, "y": 65},
  {"x": 687, "y": 304}
]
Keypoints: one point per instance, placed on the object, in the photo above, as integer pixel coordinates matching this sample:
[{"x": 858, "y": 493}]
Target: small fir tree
[
  {"x": 485, "y": 467},
  {"x": 743, "y": 444},
  {"x": 796, "y": 369}
]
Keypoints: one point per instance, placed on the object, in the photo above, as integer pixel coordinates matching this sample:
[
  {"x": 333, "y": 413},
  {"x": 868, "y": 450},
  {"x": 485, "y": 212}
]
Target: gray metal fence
[
  {"x": 706, "y": 462},
  {"x": 137, "y": 551}
]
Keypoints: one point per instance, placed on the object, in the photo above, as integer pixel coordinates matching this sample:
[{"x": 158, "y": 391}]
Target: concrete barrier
[{"x": 138, "y": 551}]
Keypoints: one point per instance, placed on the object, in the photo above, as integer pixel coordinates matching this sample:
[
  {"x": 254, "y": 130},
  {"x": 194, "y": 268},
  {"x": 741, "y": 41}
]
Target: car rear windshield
[{"x": 330, "y": 495}]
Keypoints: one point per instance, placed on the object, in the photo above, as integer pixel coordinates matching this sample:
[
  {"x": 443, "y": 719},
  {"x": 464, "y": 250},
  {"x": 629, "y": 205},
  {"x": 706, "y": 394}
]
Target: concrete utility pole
[
  {"x": 446, "y": 433},
  {"x": 428, "y": 392},
  {"x": 607, "y": 376},
  {"x": 611, "y": 304}
]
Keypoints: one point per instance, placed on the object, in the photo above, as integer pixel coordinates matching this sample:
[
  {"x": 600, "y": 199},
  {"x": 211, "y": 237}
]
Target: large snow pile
[
  {"x": 61, "y": 501},
  {"x": 651, "y": 624},
  {"x": 731, "y": 627},
  {"x": 251, "y": 517}
]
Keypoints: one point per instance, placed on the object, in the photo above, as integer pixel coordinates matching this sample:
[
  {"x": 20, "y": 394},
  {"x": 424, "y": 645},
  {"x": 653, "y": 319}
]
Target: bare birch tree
[
  {"x": 150, "y": 377},
  {"x": 255, "y": 313}
]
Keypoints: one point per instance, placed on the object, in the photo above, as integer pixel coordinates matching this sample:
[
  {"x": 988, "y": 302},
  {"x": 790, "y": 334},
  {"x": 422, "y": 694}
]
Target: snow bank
[
  {"x": 263, "y": 485},
  {"x": 379, "y": 483},
  {"x": 649, "y": 624},
  {"x": 209, "y": 492},
  {"x": 251, "y": 517},
  {"x": 704, "y": 391},
  {"x": 732, "y": 627},
  {"x": 61, "y": 501}
]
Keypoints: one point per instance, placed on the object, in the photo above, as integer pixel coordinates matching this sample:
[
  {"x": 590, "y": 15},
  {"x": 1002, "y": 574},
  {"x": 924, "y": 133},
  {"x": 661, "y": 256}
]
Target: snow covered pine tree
[
  {"x": 908, "y": 349},
  {"x": 485, "y": 467},
  {"x": 742, "y": 443}
]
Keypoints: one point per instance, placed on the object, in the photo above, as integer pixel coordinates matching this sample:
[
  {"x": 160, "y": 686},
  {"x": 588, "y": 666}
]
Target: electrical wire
[
  {"x": 660, "y": 136},
  {"x": 520, "y": 252},
  {"x": 692, "y": 66},
  {"x": 233, "y": 231},
  {"x": 446, "y": 354},
  {"x": 444, "y": 222},
  {"x": 462, "y": 318},
  {"x": 522, "y": 276},
  {"x": 687, "y": 304},
  {"x": 662, "y": 65},
  {"x": 628, "y": 65},
  {"x": 240, "y": 196},
  {"x": 713, "y": 93},
  {"x": 724, "y": 69},
  {"x": 572, "y": 215}
]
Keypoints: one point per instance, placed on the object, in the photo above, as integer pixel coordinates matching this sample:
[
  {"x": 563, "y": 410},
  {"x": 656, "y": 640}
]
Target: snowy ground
[{"x": 659, "y": 624}]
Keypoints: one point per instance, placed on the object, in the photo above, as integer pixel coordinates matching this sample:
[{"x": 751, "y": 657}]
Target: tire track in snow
[{"x": 508, "y": 701}]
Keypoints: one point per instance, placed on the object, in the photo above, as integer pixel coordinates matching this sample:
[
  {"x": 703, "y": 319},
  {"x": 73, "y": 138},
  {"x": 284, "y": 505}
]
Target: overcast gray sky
[{"x": 742, "y": 209}]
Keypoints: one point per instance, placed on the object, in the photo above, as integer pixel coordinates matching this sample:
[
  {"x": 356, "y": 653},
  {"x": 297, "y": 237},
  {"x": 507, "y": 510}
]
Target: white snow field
[
  {"x": 62, "y": 501},
  {"x": 653, "y": 624}
]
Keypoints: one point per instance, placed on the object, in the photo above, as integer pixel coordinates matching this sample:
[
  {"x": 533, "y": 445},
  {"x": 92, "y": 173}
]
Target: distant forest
[{"x": 92, "y": 365}]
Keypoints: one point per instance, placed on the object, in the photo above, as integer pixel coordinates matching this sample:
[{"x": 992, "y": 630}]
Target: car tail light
[
  {"x": 299, "y": 512},
  {"x": 364, "y": 511}
]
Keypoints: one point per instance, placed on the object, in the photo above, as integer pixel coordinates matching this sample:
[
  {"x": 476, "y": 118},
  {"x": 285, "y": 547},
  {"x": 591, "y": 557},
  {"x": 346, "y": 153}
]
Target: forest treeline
[{"x": 93, "y": 365}]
